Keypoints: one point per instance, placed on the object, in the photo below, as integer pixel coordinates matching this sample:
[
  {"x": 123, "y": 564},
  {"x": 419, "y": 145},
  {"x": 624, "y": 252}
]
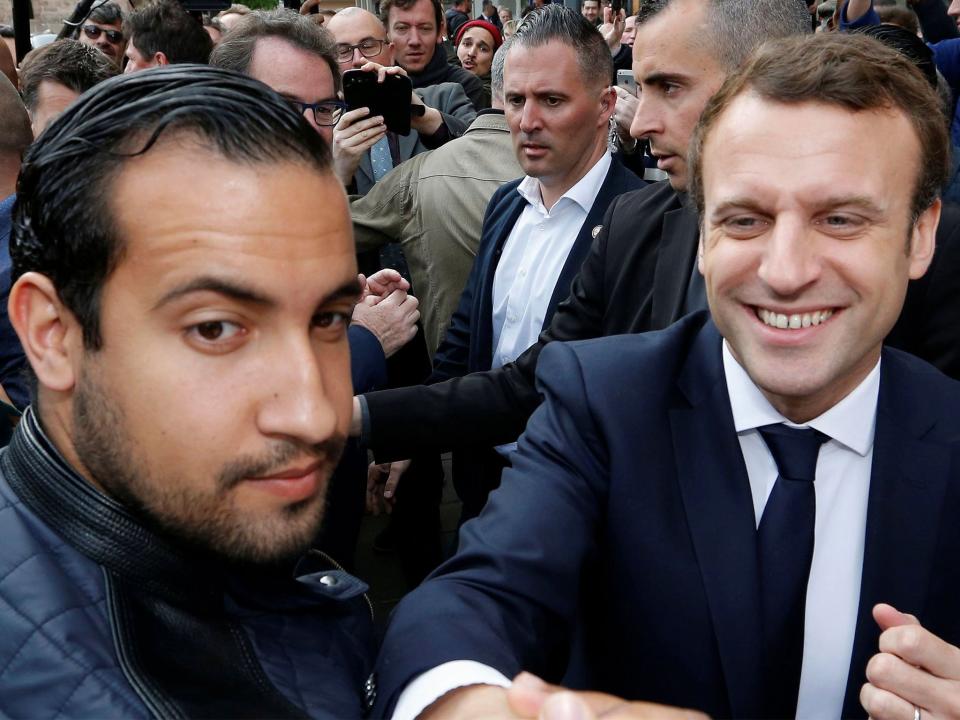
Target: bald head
[
  {"x": 15, "y": 135},
  {"x": 352, "y": 26}
]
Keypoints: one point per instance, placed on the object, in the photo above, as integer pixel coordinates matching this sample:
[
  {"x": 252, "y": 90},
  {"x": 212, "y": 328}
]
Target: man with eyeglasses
[
  {"x": 103, "y": 30},
  {"x": 363, "y": 149}
]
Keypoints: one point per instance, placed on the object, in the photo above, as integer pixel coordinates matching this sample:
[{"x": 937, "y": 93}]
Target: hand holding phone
[{"x": 389, "y": 98}]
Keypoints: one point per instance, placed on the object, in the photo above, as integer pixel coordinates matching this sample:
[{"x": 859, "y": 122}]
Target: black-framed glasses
[
  {"x": 325, "y": 112},
  {"x": 368, "y": 48},
  {"x": 93, "y": 32}
]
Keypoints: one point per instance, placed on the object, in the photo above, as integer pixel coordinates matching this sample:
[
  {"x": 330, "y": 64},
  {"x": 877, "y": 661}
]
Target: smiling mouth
[{"x": 793, "y": 321}]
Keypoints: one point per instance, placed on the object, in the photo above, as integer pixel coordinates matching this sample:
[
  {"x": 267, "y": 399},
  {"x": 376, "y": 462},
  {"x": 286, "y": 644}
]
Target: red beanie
[{"x": 489, "y": 27}]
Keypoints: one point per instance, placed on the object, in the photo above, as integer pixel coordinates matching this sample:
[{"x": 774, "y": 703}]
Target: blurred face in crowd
[
  {"x": 676, "y": 76},
  {"x": 476, "y": 51},
  {"x": 591, "y": 10},
  {"x": 360, "y": 28},
  {"x": 954, "y": 11},
  {"x": 217, "y": 405},
  {"x": 105, "y": 37},
  {"x": 52, "y": 99},
  {"x": 808, "y": 243},
  {"x": 414, "y": 34},
  {"x": 558, "y": 120},
  {"x": 629, "y": 30},
  {"x": 296, "y": 74},
  {"x": 138, "y": 61},
  {"x": 505, "y": 15}
]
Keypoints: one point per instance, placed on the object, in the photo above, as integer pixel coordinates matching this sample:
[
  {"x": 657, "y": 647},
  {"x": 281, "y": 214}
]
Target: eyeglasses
[
  {"x": 369, "y": 48},
  {"x": 326, "y": 112},
  {"x": 93, "y": 32}
]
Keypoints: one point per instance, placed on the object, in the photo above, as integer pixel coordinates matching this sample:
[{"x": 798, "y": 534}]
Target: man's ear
[
  {"x": 923, "y": 240},
  {"x": 160, "y": 59},
  {"x": 608, "y": 103},
  {"x": 49, "y": 333}
]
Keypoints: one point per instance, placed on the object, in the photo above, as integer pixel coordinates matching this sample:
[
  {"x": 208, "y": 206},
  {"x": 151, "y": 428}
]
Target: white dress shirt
[
  {"x": 833, "y": 588},
  {"x": 533, "y": 256}
]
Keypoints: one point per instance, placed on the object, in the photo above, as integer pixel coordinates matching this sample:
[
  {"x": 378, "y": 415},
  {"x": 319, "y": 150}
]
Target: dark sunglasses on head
[{"x": 93, "y": 32}]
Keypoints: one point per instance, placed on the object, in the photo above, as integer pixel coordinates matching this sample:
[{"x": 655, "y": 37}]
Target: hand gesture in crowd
[
  {"x": 354, "y": 134},
  {"x": 382, "y": 481},
  {"x": 915, "y": 674},
  {"x": 626, "y": 108},
  {"x": 531, "y": 697},
  {"x": 387, "y": 310},
  {"x": 612, "y": 27}
]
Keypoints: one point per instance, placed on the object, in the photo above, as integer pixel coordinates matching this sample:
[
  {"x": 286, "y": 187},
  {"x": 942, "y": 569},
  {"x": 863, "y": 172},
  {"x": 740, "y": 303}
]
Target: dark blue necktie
[{"x": 785, "y": 541}]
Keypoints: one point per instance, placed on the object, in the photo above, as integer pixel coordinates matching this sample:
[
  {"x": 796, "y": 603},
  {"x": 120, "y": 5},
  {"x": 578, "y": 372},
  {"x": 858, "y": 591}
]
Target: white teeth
[{"x": 794, "y": 321}]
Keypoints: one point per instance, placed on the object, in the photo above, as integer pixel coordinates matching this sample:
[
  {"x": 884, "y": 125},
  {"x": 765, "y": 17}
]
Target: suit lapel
[
  {"x": 716, "y": 496},
  {"x": 508, "y": 216},
  {"x": 908, "y": 481},
  {"x": 614, "y": 184},
  {"x": 675, "y": 257}
]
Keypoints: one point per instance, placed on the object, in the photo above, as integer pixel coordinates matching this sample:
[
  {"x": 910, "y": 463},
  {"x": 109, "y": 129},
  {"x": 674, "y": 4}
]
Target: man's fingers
[
  {"x": 884, "y": 705},
  {"x": 397, "y": 470},
  {"x": 566, "y": 706},
  {"x": 397, "y": 297},
  {"x": 904, "y": 637},
  {"x": 915, "y": 686},
  {"x": 887, "y": 616}
]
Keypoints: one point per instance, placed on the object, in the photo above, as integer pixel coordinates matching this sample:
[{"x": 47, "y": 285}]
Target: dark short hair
[
  {"x": 385, "y": 6},
  {"x": 164, "y": 26},
  {"x": 901, "y": 17},
  {"x": 235, "y": 51},
  {"x": 854, "y": 72},
  {"x": 67, "y": 62},
  {"x": 558, "y": 23},
  {"x": 735, "y": 27},
  {"x": 108, "y": 13},
  {"x": 63, "y": 224}
]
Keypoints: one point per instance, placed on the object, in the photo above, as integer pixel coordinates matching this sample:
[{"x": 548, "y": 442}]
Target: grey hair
[
  {"x": 496, "y": 73},
  {"x": 559, "y": 23},
  {"x": 735, "y": 28},
  {"x": 235, "y": 51},
  {"x": 109, "y": 14}
]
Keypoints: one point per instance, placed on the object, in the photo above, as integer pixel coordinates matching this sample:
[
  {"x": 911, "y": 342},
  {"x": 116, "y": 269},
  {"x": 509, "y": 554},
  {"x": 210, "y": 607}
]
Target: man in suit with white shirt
[
  {"x": 538, "y": 229},
  {"x": 714, "y": 515}
]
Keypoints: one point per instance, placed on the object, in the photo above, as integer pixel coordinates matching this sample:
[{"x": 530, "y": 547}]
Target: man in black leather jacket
[{"x": 183, "y": 302}]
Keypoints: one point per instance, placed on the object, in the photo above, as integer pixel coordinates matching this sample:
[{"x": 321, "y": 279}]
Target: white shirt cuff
[{"x": 427, "y": 687}]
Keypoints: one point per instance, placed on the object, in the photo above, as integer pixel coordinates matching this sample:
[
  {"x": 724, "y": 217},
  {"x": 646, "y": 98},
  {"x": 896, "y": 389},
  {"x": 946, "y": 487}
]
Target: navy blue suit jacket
[
  {"x": 468, "y": 345},
  {"x": 623, "y": 539}
]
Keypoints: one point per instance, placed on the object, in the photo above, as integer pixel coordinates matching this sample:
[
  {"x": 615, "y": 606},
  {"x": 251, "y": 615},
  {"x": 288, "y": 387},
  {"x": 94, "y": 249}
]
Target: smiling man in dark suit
[{"x": 713, "y": 515}]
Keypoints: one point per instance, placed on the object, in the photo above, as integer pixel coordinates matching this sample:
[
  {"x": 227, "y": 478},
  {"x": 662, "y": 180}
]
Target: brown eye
[{"x": 210, "y": 330}]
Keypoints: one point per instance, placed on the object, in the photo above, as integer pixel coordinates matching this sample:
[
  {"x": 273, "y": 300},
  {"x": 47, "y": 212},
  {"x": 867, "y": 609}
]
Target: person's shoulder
[
  {"x": 910, "y": 382},
  {"x": 649, "y": 358}
]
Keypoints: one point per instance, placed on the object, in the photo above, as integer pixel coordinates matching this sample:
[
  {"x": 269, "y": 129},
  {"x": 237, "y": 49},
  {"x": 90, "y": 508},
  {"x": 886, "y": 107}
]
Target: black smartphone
[{"x": 391, "y": 98}]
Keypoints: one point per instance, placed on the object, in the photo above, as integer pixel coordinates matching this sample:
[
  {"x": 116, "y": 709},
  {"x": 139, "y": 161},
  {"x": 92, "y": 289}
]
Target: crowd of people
[{"x": 675, "y": 287}]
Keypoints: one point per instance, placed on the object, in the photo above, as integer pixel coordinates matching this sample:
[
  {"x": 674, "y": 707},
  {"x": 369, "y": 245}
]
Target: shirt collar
[
  {"x": 583, "y": 193},
  {"x": 850, "y": 422}
]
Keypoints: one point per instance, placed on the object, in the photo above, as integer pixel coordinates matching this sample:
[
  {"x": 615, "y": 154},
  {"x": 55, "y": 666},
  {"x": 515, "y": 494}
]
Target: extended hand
[
  {"x": 382, "y": 481},
  {"x": 354, "y": 134},
  {"x": 914, "y": 670},
  {"x": 393, "y": 320}
]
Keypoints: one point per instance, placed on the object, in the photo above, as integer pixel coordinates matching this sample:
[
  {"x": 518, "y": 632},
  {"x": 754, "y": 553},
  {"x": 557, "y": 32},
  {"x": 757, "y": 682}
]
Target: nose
[
  {"x": 296, "y": 400},
  {"x": 413, "y": 39},
  {"x": 954, "y": 10},
  {"x": 647, "y": 118},
  {"x": 530, "y": 120},
  {"x": 789, "y": 263},
  {"x": 358, "y": 60}
]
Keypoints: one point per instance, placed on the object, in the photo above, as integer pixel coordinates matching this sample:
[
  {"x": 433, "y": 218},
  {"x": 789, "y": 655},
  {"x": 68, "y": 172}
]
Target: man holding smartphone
[{"x": 363, "y": 148}]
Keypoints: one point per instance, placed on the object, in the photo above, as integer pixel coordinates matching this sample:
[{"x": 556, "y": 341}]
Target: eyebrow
[
  {"x": 247, "y": 295},
  {"x": 658, "y": 78},
  {"x": 748, "y": 203}
]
